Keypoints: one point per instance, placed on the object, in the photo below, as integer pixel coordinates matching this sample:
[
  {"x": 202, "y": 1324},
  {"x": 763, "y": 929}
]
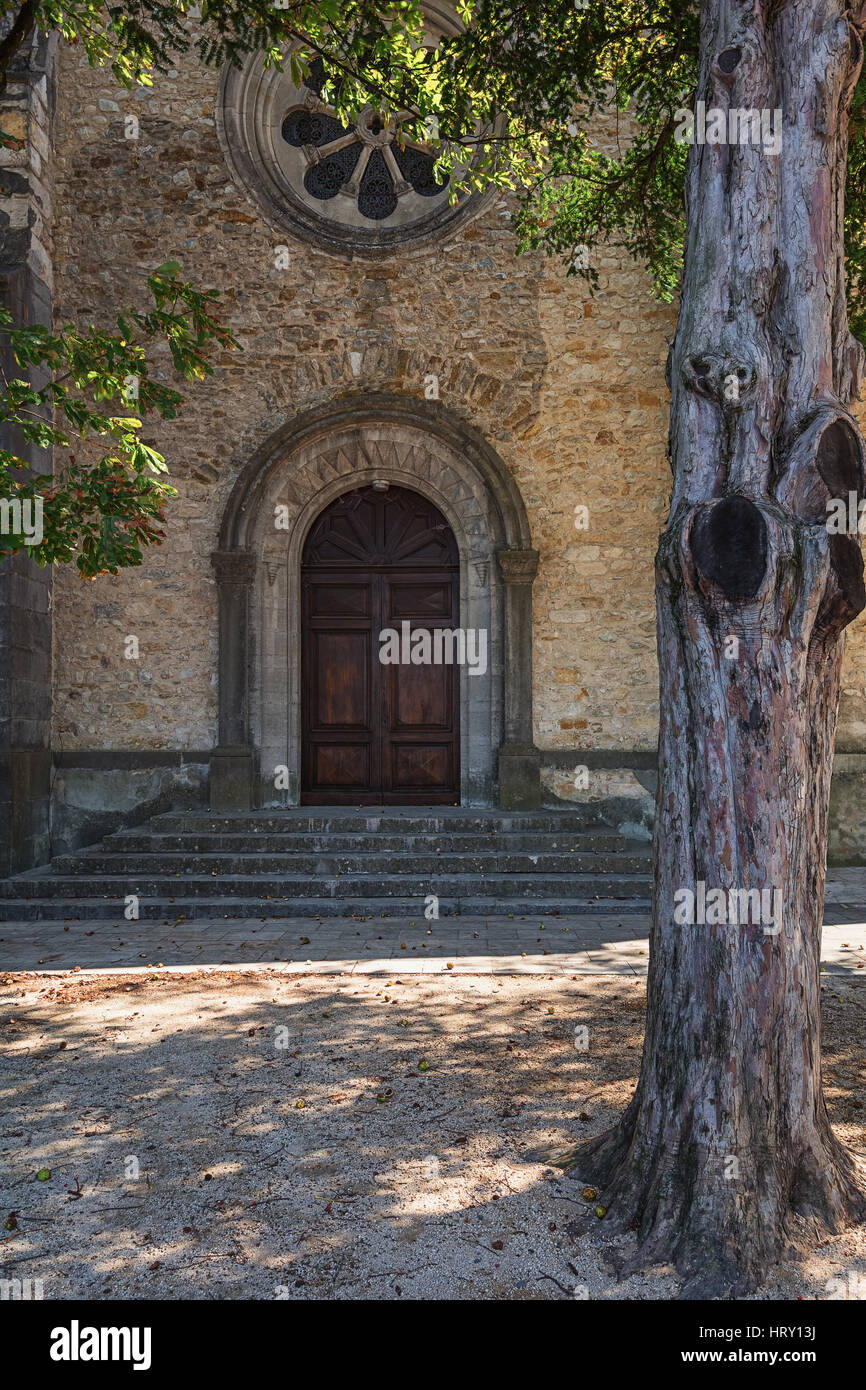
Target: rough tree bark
[{"x": 727, "y": 1141}]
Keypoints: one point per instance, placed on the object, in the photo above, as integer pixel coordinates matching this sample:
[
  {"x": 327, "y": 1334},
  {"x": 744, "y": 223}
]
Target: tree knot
[
  {"x": 720, "y": 376},
  {"x": 729, "y": 544}
]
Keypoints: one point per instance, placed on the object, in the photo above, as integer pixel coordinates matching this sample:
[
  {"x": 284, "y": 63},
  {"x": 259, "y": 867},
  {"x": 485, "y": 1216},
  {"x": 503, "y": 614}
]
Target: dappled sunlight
[{"x": 230, "y": 1134}]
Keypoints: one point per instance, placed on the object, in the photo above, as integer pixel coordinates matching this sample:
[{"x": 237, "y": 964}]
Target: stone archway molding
[{"x": 300, "y": 469}]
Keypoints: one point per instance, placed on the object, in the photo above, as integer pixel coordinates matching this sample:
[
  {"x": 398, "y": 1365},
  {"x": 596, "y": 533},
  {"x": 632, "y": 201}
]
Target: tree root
[{"x": 721, "y": 1235}]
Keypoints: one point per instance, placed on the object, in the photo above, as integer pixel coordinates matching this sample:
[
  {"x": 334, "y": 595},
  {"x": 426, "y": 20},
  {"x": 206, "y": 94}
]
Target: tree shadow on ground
[{"x": 265, "y": 1136}]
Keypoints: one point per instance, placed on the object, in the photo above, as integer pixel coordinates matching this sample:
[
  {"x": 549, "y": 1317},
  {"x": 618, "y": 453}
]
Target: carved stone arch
[{"x": 291, "y": 479}]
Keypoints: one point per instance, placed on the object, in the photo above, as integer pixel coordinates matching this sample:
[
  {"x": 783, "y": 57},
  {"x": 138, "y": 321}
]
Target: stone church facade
[{"x": 388, "y": 340}]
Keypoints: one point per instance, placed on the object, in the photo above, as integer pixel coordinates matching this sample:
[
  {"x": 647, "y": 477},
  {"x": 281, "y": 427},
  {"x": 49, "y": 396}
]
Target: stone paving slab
[{"x": 594, "y": 944}]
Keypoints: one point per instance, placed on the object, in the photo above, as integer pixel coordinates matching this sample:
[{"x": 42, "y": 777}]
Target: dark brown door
[{"x": 378, "y": 561}]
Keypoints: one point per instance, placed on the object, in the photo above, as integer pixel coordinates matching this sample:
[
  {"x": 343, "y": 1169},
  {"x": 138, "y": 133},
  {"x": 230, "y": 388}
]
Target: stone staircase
[{"x": 313, "y": 862}]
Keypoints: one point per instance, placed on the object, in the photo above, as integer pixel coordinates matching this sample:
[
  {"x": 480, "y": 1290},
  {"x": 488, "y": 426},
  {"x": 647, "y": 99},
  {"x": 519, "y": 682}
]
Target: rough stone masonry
[{"x": 567, "y": 389}]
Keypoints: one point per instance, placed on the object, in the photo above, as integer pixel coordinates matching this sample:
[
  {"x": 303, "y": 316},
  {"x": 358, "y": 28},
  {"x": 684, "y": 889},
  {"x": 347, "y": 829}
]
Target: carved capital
[
  {"x": 234, "y": 566},
  {"x": 518, "y": 566}
]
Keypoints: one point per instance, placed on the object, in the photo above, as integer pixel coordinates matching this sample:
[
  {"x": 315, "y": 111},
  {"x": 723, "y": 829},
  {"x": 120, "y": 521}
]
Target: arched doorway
[
  {"x": 276, "y": 500},
  {"x": 379, "y": 714}
]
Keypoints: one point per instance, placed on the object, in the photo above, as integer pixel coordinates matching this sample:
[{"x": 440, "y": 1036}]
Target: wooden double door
[{"x": 378, "y": 562}]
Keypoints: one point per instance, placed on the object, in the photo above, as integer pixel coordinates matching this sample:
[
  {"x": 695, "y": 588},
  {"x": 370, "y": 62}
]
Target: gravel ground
[{"x": 255, "y": 1135}]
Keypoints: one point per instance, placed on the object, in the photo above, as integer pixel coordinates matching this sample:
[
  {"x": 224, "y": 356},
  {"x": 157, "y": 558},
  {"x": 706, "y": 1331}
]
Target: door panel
[
  {"x": 429, "y": 600},
  {"x": 376, "y": 733},
  {"x": 420, "y": 698},
  {"x": 417, "y": 766},
  {"x": 341, "y": 765},
  {"x": 338, "y": 704},
  {"x": 421, "y": 701},
  {"x": 340, "y": 600},
  {"x": 341, "y": 680}
]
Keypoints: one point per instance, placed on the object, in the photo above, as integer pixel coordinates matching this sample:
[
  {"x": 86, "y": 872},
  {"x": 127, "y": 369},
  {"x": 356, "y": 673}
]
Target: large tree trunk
[{"x": 727, "y": 1140}]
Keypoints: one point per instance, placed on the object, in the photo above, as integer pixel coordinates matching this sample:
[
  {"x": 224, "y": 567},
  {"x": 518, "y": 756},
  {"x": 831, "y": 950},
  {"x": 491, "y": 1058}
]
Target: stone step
[
  {"x": 328, "y": 865},
  {"x": 344, "y": 862},
  {"x": 199, "y": 842},
  {"x": 390, "y": 820},
  {"x": 356, "y": 887},
  {"x": 267, "y": 909}
]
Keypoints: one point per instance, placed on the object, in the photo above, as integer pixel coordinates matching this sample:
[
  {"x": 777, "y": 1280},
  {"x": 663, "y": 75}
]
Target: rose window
[
  {"x": 373, "y": 164},
  {"x": 367, "y": 187}
]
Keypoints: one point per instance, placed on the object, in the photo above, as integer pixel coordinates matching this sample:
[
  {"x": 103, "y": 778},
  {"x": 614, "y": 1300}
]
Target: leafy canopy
[
  {"x": 570, "y": 104},
  {"x": 100, "y": 384},
  {"x": 515, "y": 100}
]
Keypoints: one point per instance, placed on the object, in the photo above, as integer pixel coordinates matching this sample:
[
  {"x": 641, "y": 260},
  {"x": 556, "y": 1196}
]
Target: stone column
[
  {"x": 26, "y": 278},
  {"x": 233, "y": 761},
  {"x": 519, "y": 759}
]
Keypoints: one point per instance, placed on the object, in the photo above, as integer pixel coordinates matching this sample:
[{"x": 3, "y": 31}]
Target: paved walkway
[{"x": 595, "y": 944}]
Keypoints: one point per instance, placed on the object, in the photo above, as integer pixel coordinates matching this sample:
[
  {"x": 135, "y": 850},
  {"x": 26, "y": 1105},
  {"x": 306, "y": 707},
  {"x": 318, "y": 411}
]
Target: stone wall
[{"x": 567, "y": 388}]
